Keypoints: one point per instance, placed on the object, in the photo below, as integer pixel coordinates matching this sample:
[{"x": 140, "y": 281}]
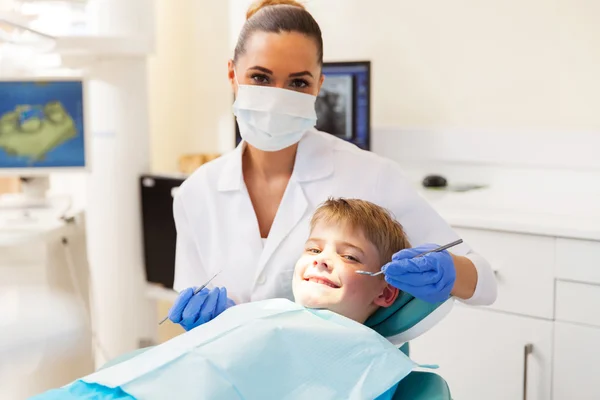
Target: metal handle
[
  {"x": 441, "y": 248},
  {"x": 527, "y": 351}
]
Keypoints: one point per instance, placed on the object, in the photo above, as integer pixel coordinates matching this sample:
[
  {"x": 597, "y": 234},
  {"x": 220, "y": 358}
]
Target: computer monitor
[
  {"x": 344, "y": 102},
  {"x": 42, "y": 127}
]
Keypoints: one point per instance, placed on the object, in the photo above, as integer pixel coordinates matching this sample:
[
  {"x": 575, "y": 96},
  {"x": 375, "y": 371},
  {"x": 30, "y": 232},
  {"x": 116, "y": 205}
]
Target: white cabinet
[
  {"x": 547, "y": 267},
  {"x": 482, "y": 354},
  {"x": 548, "y": 295},
  {"x": 576, "y": 355},
  {"x": 524, "y": 265}
]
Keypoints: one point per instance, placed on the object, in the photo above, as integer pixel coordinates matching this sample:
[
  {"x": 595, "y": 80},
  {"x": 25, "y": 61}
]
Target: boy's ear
[{"x": 387, "y": 296}]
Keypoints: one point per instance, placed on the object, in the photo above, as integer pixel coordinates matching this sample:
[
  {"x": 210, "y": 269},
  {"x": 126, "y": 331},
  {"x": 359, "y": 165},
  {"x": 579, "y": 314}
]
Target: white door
[
  {"x": 484, "y": 354},
  {"x": 576, "y": 355}
]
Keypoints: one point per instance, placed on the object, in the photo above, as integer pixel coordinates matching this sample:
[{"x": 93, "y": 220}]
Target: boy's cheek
[
  {"x": 361, "y": 289},
  {"x": 353, "y": 280}
]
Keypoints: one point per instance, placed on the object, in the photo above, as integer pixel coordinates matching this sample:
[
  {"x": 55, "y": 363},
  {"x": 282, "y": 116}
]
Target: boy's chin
[{"x": 313, "y": 301}]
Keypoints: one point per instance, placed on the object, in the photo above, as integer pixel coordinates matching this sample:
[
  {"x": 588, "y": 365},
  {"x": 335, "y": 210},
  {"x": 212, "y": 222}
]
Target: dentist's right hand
[{"x": 191, "y": 310}]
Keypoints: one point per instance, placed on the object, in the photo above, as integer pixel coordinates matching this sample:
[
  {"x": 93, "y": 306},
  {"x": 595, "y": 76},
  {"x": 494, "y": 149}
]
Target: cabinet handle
[{"x": 527, "y": 351}]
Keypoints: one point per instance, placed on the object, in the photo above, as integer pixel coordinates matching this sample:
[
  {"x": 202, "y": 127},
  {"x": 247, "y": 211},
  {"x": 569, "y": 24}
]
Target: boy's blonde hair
[{"x": 376, "y": 223}]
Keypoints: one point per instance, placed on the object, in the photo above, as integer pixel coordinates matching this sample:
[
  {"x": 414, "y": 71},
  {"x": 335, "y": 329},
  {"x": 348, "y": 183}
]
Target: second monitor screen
[{"x": 343, "y": 102}]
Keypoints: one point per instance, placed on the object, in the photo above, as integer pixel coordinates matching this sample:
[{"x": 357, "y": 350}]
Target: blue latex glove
[
  {"x": 430, "y": 277},
  {"x": 191, "y": 310}
]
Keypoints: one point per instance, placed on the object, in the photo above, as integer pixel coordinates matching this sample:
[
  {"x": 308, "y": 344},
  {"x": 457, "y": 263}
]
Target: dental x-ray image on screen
[{"x": 334, "y": 106}]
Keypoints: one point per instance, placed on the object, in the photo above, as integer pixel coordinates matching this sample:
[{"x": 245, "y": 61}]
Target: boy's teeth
[{"x": 321, "y": 281}]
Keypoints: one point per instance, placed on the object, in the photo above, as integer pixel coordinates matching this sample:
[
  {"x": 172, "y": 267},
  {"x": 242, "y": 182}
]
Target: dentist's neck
[{"x": 269, "y": 164}]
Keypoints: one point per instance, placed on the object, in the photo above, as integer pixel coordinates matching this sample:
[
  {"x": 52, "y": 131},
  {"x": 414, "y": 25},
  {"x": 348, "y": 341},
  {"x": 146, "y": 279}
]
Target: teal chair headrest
[{"x": 407, "y": 318}]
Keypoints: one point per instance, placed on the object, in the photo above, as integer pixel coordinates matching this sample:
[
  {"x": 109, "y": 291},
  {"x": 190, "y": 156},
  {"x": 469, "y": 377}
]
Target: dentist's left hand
[{"x": 191, "y": 310}]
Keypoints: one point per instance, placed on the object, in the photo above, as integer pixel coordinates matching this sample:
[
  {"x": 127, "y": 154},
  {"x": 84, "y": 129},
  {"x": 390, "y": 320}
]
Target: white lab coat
[{"x": 217, "y": 228}]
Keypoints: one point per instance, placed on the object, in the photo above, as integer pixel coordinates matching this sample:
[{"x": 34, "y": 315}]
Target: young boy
[{"x": 316, "y": 347}]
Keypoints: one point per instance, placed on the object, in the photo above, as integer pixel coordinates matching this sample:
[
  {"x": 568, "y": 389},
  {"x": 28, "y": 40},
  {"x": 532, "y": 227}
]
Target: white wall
[
  {"x": 471, "y": 63},
  {"x": 189, "y": 92}
]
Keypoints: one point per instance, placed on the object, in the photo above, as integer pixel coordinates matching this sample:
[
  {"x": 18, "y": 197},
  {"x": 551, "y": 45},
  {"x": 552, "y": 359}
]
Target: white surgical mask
[{"x": 272, "y": 119}]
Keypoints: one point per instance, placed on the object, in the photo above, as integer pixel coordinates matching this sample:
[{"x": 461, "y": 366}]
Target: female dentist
[{"x": 245, "y": 214}]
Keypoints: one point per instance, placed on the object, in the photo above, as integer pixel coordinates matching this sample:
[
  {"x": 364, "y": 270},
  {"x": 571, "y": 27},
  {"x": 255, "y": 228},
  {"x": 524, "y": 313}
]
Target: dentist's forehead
[{"x": 281, "y": 52}]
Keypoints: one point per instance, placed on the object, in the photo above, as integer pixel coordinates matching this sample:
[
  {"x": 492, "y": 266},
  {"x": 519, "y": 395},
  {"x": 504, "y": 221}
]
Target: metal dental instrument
[
  {"x": 195, "y": 292},
  {"x": 441, "y": 248}
]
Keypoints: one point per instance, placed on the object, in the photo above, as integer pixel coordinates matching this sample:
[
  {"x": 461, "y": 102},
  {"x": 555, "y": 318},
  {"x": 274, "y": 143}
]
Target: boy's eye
[
  {"x": 314, "y": 251},
  {"x": 351, "y": 258},
  {"x": 260, "y": 79},
  {"x": 299, "y": 84}
]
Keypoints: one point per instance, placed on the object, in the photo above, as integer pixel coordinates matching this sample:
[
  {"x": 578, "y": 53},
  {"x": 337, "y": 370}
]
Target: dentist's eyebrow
[
  {"x": 292, "y": 75},
  {"x": 298, "y": 74},
  {"x": 262, "y": 69}
]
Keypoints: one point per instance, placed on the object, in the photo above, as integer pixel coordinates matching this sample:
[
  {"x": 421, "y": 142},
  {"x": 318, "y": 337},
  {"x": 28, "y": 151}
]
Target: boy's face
[{"x": 325, "y": 275}]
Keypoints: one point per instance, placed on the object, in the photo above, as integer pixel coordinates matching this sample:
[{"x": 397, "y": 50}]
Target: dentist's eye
[
  {"x": 299, "y": 84},
  {"x": 260, "y": 79}
]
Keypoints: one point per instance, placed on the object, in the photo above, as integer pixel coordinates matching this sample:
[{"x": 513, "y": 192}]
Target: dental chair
[{"x": 405, "y": 320}]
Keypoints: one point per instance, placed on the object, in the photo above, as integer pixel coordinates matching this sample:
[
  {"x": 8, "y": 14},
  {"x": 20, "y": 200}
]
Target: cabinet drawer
[
  {"x": 524, "y": 266},
  {"x": 577, "y": 302},
  {"x": 578, "y": 260}
]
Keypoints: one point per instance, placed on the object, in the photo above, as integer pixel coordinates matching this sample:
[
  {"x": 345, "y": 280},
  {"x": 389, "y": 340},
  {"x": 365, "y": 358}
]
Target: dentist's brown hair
[{"x": 277, "y": 16}]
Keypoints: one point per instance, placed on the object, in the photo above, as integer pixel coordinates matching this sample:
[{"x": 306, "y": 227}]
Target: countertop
[{"x": 566, "y": 214}]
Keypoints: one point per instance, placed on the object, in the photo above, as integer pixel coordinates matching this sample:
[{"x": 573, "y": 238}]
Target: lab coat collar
[
  {"x": 231, "y": 175},
  {"x": 314, "y": 160}
]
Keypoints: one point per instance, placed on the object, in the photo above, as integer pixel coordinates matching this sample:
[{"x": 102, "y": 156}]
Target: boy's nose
[{"x": 320, "y": 263}]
